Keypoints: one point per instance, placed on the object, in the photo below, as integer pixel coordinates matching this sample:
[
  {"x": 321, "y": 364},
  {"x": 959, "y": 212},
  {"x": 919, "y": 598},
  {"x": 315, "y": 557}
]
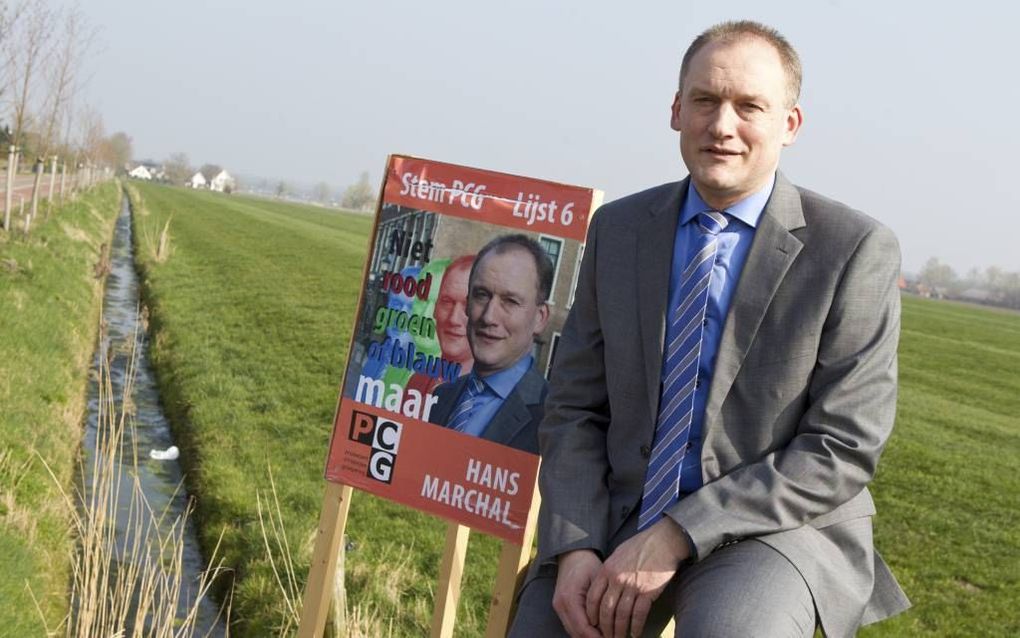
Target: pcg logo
[{"x": 383, "y": 436}]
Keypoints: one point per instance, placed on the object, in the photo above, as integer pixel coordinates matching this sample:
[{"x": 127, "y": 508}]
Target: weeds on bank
[
  {"x": 132, "y": 585},
  {"x": 358, "y": 622},
  {"x": 158, "y": 247}
]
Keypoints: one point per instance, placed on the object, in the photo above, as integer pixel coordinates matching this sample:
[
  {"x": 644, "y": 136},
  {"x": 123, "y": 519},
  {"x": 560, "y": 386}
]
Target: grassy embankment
[
  {"x": 251, "y": 314},
  {"x": 49, "y": 311},
  {"x": 254, "y": 310}
]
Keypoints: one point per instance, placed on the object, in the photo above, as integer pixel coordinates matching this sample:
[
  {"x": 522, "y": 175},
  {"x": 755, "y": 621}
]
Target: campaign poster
[{"x": 451, "y": 351}]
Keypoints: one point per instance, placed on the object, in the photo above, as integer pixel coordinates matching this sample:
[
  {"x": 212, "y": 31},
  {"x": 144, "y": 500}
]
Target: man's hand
[
  {"x": 623, "y": 590},
  {"x": 573, "y": 577}
]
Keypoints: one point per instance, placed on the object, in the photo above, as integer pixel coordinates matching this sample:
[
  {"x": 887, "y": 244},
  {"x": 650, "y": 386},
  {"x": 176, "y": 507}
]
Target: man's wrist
[
  {"x": 573, "y": 553},
  {"x": 688, "y": 552}
]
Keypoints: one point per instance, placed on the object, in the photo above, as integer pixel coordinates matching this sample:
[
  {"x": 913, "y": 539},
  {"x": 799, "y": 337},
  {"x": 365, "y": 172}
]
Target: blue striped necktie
[
  {"x": 460, "y": 417},
  {"x": 680, "y": 374}
]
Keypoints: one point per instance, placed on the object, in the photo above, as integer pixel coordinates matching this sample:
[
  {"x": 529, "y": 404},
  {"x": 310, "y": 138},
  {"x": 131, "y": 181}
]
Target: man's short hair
[
  {"x": 543, "y": 265},
  {"x": 460, "y": 262},
  {"x": 736, "y": 30}
]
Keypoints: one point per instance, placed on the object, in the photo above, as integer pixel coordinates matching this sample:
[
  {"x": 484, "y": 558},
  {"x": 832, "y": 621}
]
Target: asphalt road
[{"x": 23, "y": 188}]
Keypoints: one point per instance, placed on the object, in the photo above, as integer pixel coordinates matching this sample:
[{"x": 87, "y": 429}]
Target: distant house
[
  {"x": 197, "y": 181},
  {"x": 223, "y": 183},
  {"x": 140, "y": 172}
]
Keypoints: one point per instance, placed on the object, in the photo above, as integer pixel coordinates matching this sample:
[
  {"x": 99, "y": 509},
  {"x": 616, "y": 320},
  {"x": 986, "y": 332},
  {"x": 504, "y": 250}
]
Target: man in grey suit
[
  {"x": 708, "y": 439},
  {"x": 502, "y": 398}
]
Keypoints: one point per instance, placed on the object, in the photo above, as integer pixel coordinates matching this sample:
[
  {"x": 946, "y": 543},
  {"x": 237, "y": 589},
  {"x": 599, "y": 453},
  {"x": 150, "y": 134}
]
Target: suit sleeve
[
  {"x": 848, "y": 419},
  {"x": 572, "y": 436}
]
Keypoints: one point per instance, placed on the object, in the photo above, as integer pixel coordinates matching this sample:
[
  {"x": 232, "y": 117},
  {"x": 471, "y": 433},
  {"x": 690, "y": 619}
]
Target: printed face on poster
[{"x": 469, "y": 279}]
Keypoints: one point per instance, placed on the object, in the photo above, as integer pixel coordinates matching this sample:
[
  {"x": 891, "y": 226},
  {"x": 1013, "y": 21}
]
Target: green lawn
[
  {"x": 49, "y": 315},
  {"x": 252, "y": 313},
  {"x": 948, "y": 490}
]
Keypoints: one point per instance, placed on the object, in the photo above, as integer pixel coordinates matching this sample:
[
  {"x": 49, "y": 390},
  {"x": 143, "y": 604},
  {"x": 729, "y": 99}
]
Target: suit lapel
[
  {"x": 514, "y": 414},
  {"x": 448, "y": 401},
  {"x": 772, "y": 252},
  {"x": 654, "y": 259}
]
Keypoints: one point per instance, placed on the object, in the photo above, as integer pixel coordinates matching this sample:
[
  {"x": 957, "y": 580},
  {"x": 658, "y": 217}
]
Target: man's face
[
  {"x": 503, "y": 310},
  {"x": 451, "y": 314},
  {"x": 734, "y": 118}
]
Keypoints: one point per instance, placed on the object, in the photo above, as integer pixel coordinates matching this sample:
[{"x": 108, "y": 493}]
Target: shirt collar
[
  {"x": 504, "y": 381},
  {"x": 747, "y": 210}
]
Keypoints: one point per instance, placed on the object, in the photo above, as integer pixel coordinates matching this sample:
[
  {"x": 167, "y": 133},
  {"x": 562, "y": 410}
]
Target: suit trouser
[{"x": 744, "y": 589}]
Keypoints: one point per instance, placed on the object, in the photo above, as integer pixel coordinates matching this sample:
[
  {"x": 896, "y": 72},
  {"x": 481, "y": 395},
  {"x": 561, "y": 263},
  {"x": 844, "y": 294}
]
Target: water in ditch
[{"x": 160, "y": 480}]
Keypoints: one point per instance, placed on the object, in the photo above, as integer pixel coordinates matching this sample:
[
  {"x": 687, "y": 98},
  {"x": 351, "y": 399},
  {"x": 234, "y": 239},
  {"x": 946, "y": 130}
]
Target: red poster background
[
  {"x": 495, "y": 198},
  {"x": 442, "y": 454}
]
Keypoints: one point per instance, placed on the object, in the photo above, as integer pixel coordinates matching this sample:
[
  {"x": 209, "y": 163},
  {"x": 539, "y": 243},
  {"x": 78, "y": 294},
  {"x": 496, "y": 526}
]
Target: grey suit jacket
[
  {"x": 801, "y": 402},
  {"x": 515, "y": 423}
]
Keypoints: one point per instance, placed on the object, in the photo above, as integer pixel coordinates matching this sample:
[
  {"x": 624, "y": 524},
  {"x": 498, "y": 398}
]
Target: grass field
[
  {"x": 49, "y": 310},
  {"x": 948, "y": 487},
  {"x": 252, "y": 312}
]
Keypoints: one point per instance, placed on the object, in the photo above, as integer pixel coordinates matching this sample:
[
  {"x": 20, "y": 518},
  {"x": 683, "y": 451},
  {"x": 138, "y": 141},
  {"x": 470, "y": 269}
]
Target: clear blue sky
[{"x": 910, "y": 106}]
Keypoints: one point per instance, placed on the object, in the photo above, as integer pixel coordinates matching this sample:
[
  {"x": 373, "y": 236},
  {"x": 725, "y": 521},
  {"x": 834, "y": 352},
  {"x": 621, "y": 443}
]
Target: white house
[
  {"x": 197, "y": 180},
  {"x": 223, "y": 182},
  {"x": 140, "y": 172}
]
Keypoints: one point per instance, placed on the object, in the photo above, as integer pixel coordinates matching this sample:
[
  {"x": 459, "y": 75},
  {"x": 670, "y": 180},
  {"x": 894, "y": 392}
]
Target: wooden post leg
[
  {"x": 513, "y": 562},
  {"x": 335, "y": 506},
  {"x": 450, "y": 573}
]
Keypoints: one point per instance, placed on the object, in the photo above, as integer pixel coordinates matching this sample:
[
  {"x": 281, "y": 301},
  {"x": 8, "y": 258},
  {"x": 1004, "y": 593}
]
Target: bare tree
[
  {"x": 178, "y": 168},
  {"x": 117, "y": 150},
  {"x": 92, "y": 133},
  {"x": 360, "y": 195},
  {"x": 25, "y": 53},
  {"x": 8, "y": 20},
  {"x": 209, "y": 171},
  {"x": 938, "y": 276},
  {"x": 322, "y": 192},
  {"x": 64, "y": 74}
]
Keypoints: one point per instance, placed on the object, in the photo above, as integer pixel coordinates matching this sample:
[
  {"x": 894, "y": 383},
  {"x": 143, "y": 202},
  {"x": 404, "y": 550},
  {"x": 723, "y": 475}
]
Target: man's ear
[
  {"x": 541, "y": 318},
  {"x": 794, "y": 120},
  {"x": 674, "y": 113}
]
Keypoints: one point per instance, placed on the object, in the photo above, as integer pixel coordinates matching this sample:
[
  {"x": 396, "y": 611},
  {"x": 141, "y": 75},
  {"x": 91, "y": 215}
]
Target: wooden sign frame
[{"x": 335, "y": 510}]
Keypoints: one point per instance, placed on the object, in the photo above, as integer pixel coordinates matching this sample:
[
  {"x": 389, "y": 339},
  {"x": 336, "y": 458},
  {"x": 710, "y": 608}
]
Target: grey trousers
[{"x": 745, "y": 589}]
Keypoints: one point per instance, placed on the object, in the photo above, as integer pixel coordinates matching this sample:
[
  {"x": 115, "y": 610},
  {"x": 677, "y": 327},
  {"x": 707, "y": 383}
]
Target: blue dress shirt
[
  {"x": 734, "y": 244},
  {"x": 496, "y": 388}
]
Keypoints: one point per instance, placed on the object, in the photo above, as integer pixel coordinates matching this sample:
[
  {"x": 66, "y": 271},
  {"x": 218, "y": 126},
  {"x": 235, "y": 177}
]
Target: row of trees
[
  {"x": 178, "y": 169},
  {"x": 44, "y": 48},
  {"x": 992, "y": 285},
  {"x": 360, "y": 195}
]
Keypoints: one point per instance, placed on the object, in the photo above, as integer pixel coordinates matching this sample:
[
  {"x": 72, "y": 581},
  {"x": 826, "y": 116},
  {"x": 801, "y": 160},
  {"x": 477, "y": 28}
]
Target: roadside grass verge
[
  {"x": 49, "y": 312},
  {"x": 252, "y": 313}
]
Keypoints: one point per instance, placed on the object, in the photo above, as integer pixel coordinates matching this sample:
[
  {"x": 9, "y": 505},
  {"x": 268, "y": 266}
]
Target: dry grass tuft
[
  {"x": 129, "y": 585},
  {"x": 346, "y": 622},
  {"x": 163, "y": 249},
  {"x": 74, "y": 233},
  {"x": 11, "y": 474},
  {"x": 274, "y": 536}
]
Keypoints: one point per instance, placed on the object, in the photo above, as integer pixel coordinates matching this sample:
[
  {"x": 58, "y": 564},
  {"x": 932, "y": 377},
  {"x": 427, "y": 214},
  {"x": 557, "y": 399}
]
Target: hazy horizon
[{"x": 900, "y": 101}]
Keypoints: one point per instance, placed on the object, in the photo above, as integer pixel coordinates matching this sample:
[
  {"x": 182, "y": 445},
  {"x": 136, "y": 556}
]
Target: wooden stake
[
  {"x": 318, "y": 590},
  {"x": 8, "y": 195},
  {"x": 513, "y": 563},
  {"x": 38, "y": 169},
  {"x": 451, "y": 571}
]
